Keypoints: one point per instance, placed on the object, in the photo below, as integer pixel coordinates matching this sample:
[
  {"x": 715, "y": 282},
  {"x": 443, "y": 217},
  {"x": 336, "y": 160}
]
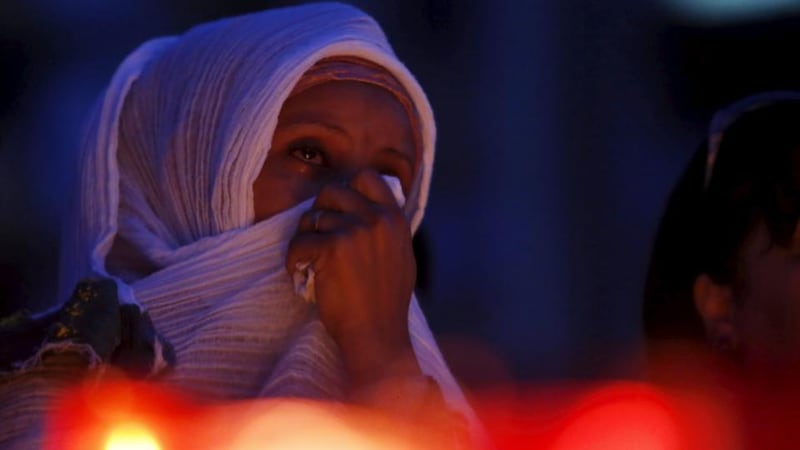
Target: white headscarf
[{"x": 204, "y": 107}]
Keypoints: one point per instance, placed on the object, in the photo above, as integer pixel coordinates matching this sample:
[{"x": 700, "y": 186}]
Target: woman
[
  {"x": 724, "y": 264},
  {"x": 230, "y": 173}
]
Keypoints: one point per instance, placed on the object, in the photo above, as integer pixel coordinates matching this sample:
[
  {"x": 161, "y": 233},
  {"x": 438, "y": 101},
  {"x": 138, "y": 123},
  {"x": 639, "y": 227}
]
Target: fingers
[
  {"x": 343, "y": 198},
  {"x": 364, "y": 209},
  {"x": 371, "y": 185},
  {"x": 305, "y": 248},
  {"x": 324, "y": 221},
  {"x": 366, "y": 199}
]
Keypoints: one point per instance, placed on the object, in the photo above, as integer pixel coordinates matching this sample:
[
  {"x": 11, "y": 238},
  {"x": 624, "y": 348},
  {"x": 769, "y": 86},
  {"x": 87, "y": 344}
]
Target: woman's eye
[{"x": 310, "y": 155}]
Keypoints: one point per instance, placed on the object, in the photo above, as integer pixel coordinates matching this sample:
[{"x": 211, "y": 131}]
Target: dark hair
[{"x": 755, "y": 179}]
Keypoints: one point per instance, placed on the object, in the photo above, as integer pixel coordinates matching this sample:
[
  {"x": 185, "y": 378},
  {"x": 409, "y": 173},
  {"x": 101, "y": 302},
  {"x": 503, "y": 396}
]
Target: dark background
[{"x": 562, "y": 126}]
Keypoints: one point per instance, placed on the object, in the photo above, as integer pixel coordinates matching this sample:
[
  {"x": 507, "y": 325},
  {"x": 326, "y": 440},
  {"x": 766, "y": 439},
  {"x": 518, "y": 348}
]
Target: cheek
[
  {"x": 280, "y": 186},
  {"x": 769, "y": 317}
]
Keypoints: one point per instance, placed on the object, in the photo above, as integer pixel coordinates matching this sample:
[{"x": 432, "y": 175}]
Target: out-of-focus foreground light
[
  {"x": 131, "y": 436},
  {"x": 622, "y": 417},
  {"x": 715, "y": 11},
  {"x": 617, "y": 415},
  {"x": 142, "y": 416},
  {"x": 299, "y": 425},
  {"x": 119, "y": 416}
]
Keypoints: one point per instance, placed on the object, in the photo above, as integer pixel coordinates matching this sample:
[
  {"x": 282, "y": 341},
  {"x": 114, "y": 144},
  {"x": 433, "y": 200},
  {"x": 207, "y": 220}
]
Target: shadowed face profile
[
  {"x": 328, "y": 133},
  {"x": 766, "y": 304},
  {"x": 756, "y": 313},
  {"x": 727, "y": 256}
]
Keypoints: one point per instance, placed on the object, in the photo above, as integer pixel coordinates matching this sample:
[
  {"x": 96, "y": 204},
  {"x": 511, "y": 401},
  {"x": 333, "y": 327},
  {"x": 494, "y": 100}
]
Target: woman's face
[
  {"x": 328, "y": 133},
  {"x": 766, "y": 315}
]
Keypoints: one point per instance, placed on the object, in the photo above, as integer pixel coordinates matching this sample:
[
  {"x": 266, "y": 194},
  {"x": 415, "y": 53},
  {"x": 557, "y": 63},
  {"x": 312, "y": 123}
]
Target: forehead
[
  {"x": 350, "y": 104},
  {"x": 346, "y": 95}
]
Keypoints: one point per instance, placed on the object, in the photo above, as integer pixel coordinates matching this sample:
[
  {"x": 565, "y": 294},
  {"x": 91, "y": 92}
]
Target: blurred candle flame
[
  {"x": 691, "y": 402},
  {"x": 131, "y": 436}
]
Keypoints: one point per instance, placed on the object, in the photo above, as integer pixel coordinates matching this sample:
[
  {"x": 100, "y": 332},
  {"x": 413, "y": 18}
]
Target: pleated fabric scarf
[{"x": 176, "y": 190}]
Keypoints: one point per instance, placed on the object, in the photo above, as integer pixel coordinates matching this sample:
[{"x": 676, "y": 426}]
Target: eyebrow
[{"x": 318, "y": 123}]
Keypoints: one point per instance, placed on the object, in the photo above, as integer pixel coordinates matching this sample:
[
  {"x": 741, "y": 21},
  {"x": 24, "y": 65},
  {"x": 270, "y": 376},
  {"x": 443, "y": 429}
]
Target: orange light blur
[
  {"x": 131, "y": 436},
  {"x": 689, "y": 408},
  {"x": 140, "y": 416}
]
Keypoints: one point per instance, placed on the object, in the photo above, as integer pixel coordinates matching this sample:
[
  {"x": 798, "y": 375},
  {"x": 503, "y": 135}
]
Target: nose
[{"x": 356, "y": 162}]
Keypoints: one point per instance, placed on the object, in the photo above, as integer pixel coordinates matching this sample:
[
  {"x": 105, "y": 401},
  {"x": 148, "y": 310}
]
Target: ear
[{"x": 714, "y": 303}]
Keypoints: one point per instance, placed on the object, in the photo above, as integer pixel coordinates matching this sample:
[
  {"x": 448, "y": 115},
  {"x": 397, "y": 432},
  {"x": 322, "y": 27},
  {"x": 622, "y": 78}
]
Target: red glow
[
  {"x": 613, "y": 416},
  {"x": 694, "y": 406},
  {"x": 607, "y": 416},
  {"x": 142, "y": 416},
  {"x": 621, "y": 417},
  {"x": 94, "y": 416}
]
